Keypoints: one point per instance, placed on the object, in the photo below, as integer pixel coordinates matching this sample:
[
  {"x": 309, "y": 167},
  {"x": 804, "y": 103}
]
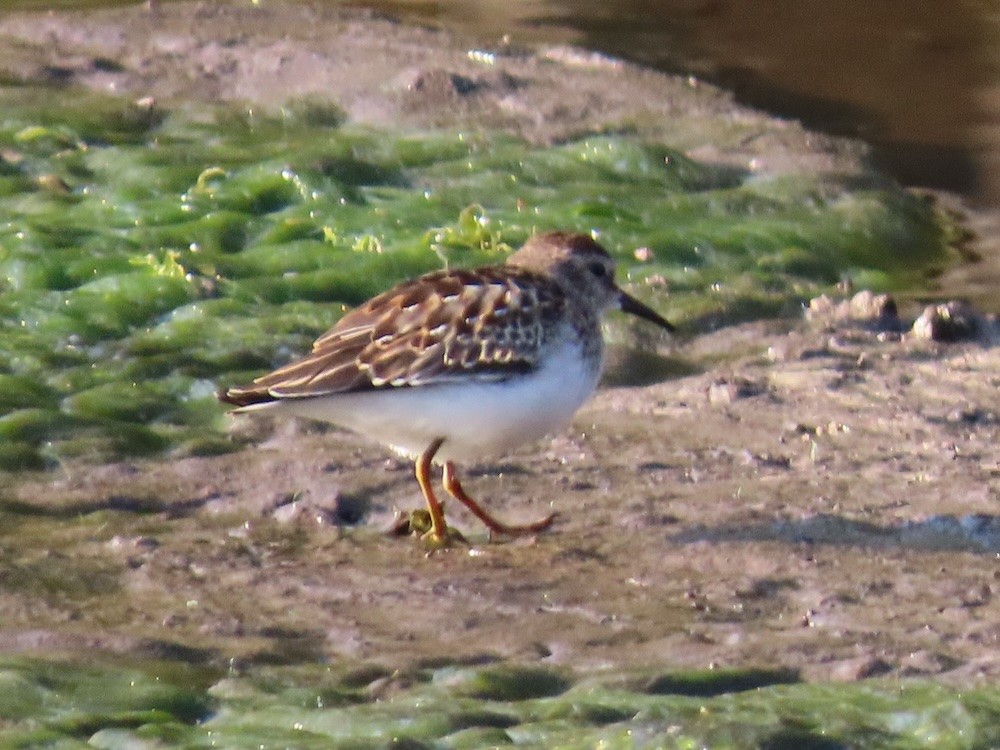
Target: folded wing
[{"x": 483, "y": 324}]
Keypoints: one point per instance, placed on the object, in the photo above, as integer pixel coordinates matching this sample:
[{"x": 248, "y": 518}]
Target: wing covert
[{"x": 485, "y": 324}]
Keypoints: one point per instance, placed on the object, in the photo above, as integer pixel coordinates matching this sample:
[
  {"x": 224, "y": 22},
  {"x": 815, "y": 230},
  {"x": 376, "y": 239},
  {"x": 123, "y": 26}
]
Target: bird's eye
[{"x": 599, "y": 270}]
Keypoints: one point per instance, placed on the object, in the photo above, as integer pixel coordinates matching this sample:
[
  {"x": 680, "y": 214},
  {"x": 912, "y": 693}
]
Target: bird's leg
[
  {"x": 439, "y": 528},
  {"x": 454, "y": 488}
]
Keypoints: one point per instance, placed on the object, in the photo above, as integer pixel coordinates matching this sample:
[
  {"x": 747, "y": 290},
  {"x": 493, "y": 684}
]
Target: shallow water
[{"x": 916, "y": 84}]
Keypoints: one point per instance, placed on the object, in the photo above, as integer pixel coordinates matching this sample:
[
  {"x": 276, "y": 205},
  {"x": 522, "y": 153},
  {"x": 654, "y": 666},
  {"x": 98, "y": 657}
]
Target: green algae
[
  {"x": 717, "y": 682},
  {"x": 148, "y": 257},
  {"x": 62, "y": 704},
  {"x": 514, "y": 684},
  {"x": 47, "y": 703}
]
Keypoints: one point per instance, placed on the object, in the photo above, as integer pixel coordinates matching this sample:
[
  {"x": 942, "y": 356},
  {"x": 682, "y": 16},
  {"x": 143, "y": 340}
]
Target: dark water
[{"x": 915, "y": 80}]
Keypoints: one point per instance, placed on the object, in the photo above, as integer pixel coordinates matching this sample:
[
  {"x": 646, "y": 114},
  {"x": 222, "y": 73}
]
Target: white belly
[{"x": 476, "y": 420}]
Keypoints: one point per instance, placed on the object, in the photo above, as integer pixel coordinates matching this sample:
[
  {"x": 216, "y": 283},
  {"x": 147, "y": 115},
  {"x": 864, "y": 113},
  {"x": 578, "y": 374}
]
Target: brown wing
[{"x": 446, "y": 325}]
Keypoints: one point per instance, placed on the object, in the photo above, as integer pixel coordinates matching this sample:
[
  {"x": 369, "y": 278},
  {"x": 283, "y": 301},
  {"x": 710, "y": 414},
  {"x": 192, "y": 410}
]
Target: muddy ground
[
  {"x": 809, "y": 496},
  {"x": 821, "y": 500},
  {"x": 386, "y": 74}
]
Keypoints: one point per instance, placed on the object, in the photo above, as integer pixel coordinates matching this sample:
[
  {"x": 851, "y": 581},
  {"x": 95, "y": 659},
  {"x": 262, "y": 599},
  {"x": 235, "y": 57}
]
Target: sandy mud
[{"x": 819, "y": 496}]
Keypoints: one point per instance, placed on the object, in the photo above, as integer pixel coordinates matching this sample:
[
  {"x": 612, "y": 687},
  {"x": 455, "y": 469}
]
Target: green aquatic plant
[
  {"x": 128, "y": 704},
  {"x": 148, "y": 256}
]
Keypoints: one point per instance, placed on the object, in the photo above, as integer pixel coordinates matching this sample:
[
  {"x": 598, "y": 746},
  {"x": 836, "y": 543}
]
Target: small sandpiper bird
[{"x": 459, "y": 365}]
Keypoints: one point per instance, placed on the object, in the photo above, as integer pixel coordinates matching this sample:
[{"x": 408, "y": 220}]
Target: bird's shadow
[{"x": 978, "y": 533}]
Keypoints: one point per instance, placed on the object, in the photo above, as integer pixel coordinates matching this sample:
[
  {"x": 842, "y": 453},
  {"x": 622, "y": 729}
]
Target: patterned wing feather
[{"x": 443, "y": 326}]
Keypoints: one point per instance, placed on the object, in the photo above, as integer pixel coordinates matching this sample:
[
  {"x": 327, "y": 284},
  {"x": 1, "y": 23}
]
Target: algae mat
[
  {"x": 155, "y": 249},
  {"x": 149, "y": 256},
  {"x": 65, "y": 705}
]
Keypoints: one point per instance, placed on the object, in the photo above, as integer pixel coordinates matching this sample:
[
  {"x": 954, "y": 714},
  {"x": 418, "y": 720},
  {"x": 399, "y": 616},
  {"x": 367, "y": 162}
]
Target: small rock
[
  {"x": 875, "y": 311},
  {"x": 297, "y": 508},
  {"x": 821, "y": 308},
  {"x": 142, "y": 543},
  {"x": 879, "y": 308},
  {"x": 439, "y": 85},
  {"x": 948, "y": 322},
  {"x": 766, "y": 460},
  {"x": 726, "y": 390},
  {"x": 860, "y": 668},
  {"x": 926, "y": 662}
]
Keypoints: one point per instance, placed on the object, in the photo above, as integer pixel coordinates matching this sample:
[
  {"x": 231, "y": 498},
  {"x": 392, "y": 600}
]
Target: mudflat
[{"x": 814, "y": 495}]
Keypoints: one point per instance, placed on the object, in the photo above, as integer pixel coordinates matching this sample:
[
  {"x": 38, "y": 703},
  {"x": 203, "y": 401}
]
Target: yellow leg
[
  {"x": 439, "y": 528},
  {"x": 454, "y": 488}
]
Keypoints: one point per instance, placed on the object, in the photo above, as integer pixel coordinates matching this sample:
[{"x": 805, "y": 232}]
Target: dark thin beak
[{"x": 634, "y": 307}]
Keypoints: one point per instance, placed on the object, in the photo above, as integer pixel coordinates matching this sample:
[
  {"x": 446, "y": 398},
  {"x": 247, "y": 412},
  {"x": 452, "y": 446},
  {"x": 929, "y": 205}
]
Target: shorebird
[{"x": 460, "y": 365}]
